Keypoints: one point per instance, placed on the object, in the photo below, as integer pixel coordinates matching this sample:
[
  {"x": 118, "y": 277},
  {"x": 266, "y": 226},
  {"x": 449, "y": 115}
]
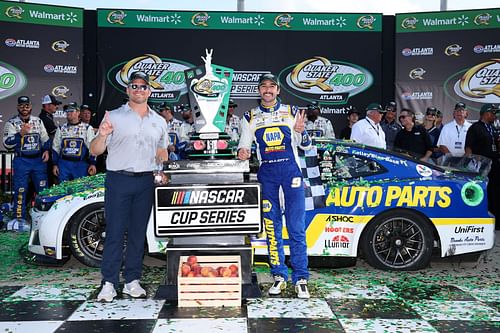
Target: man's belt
[{"x": 133, "y": 174}]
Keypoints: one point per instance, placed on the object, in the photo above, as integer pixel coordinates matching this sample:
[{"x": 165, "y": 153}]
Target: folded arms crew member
[
  {"x": 70, "y": 148},
  {"x": 26, "y": 135}
]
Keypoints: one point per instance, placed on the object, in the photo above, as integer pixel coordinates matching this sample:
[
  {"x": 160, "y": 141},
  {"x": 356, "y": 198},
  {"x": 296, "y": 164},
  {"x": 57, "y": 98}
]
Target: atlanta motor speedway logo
[
  {"x": 324, "y": 80},
  {"x": 166, "y": 76}
]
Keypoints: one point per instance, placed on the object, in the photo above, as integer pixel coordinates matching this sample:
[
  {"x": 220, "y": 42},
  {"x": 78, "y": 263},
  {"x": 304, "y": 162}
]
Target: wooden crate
[{"x": 210, "y": 291}]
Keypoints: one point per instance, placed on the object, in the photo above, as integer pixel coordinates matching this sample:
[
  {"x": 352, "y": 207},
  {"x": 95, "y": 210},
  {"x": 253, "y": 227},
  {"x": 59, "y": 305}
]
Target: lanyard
[
  {"x": 490, "y": 130},
  {"x": 377, "y": 129},
  {"x": 459, "y": 130}
]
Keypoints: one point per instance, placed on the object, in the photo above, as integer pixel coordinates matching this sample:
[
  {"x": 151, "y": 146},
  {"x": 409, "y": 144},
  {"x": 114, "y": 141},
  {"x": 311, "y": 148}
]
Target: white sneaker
[
  {"x": 134, "y": 289},
  {"x": 301, "y": 289},
  {"x": 107, "y": 293},
  {"x": 278, "y": 286}
]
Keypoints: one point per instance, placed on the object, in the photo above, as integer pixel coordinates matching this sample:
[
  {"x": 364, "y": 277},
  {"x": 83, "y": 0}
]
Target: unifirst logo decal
[{"x": 396, "y": 196}]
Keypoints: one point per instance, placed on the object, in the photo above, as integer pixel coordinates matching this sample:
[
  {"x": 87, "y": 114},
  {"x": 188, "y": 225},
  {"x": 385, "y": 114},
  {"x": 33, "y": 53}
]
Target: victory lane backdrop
[
  {"x": 41, "y": 53},
  {"x": 445, "y": 58},
  {"x": 164, "y": 44}
]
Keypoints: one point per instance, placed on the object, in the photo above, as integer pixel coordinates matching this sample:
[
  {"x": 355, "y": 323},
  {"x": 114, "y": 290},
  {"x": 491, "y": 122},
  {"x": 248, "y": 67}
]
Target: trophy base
[{"x": 210, "y": 146}]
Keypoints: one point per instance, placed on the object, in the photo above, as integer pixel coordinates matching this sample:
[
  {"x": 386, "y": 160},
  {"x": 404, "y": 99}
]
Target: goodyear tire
[
  {"x": 86, "y": 234},
  {"x": 398, "y": 240}
]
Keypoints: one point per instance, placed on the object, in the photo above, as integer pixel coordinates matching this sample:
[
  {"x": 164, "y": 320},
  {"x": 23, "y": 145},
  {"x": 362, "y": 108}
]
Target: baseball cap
[
  {"x": 164, "y": 106},
  {"x": 391, "y": 106},
  {"x": 460, "y": 105},
  {"x": 50, "y": 99},
  {"x": 493, "y": 108},
  {"x": 439, "y": 114},
  {"x": 353, "y": 110},
  {"x": 313, "y": 106},
  {"x": 183, "y": 107},
  {"x": 375, "y": 106},
  {"x": 431, "y": 110},
  {"x": 70, "y": 107},
  {"x": 139, "y": 76},
  {"x": 84, "y": 107},
  {"x": 23, "y": 100},
  {"x": 270, "y": 77},
  {"x": 232, "y": 104}
]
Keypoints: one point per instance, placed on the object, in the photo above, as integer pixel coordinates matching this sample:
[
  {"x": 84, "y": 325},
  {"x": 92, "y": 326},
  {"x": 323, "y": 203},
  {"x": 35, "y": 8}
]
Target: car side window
[{"x": 349, "y": 166}]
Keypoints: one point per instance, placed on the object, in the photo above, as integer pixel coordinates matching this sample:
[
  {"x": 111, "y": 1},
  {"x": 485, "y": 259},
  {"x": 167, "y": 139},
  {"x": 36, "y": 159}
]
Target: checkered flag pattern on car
[{"x": 314, "y": 190}]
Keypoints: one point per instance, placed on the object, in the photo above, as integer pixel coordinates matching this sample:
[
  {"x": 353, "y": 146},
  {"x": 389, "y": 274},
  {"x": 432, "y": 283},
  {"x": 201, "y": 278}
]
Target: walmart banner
[
  {"x": 313, "y": 54},
  {"x": 449, "y": 57},
  {"x": 41, "y": 53}
]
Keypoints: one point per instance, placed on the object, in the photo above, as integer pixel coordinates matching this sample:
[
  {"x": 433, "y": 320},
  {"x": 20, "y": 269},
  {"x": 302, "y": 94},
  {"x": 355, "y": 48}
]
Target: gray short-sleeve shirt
[{"x": 133, "y": 144}]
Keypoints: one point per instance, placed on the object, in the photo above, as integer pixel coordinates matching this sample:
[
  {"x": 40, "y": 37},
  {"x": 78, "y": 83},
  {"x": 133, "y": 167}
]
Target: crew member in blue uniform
[
  {"x": 70, "y": 148},
  {"x": 27, "y": 136},
  {"x": 279, "y": 130}
]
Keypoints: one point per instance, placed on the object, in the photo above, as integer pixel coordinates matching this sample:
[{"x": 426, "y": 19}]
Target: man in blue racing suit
[
  {"x": 27, "y": 136},
  {"x": 278, "y": 131},
  {"x": 70, "y": 148}
]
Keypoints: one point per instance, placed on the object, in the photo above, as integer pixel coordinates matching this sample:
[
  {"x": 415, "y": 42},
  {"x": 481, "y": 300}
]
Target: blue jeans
[{"x": 127, "y": 205}]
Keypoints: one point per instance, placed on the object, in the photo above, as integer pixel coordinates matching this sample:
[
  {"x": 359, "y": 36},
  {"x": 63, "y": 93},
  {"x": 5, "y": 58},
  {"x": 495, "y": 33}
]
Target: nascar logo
[{"x": 190, "y": 197}]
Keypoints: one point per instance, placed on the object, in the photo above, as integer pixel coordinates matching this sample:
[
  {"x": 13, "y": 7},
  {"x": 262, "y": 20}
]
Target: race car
[{"x": 389, "y": 207}]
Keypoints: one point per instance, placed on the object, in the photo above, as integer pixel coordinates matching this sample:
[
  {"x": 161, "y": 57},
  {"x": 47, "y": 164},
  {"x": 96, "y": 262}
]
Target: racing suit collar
[{"x": 273, "y": 108}]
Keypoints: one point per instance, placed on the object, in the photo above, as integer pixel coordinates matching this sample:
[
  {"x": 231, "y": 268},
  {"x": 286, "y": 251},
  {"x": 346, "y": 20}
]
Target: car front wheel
[
  {"x": 87, "y": 233},
  {"x": 398, "y": 240}
]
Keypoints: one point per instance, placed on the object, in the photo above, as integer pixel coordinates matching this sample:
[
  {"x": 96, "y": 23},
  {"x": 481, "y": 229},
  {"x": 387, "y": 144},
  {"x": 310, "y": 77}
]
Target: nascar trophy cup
[
  {"x": 209, "y": 87},
  {"x": 185, "y": 211}
]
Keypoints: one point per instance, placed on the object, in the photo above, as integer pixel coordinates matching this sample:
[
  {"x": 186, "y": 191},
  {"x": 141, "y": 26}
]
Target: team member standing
[
  {"x": 352, "y": 118},
  {"x": 26, "y": 135},
  {"x": 452, "y": 137},
  {"x": 430, "y": 127},
  {"x": 368, "y": 131},
  {"x": 317, "y": 126},
  {"x": 278, "y": 131},
  {"x": 136, "y": 139},
  {"x": 233, "y": 122},
  {"x": 173, "y": 127},
  {"x": 413, "y": 138},
  {"x": 482, "y": 140},
  {"x": 390, "y": 125},
  {"x": 50, "y": 105},
  {"x": 70, "y": 148}
]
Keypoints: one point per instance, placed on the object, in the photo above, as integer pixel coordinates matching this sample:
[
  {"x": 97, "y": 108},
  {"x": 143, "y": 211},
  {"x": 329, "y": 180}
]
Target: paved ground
[{"x": 452, "y": 295}]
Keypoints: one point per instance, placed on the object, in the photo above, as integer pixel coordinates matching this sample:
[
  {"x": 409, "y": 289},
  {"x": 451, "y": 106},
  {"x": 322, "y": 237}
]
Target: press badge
[{"x": 458, "y": 145}]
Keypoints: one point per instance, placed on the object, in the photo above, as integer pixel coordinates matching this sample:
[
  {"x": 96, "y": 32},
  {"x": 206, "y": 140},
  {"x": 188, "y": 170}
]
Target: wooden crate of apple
[
  {"x": 194, "y": 268},
  {"x": 209, "y": 281}
]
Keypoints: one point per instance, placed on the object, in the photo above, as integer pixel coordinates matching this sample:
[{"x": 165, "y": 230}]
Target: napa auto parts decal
[{"x": 325, "y": 80}]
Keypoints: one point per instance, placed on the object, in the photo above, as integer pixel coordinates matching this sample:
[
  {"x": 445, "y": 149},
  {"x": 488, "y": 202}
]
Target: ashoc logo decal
[
  {"x": 166, "y": 75},
  {"x": 12, "y": 80},
  {"x": 322, "y": 79},
  {"x": 479, "y": 83}
]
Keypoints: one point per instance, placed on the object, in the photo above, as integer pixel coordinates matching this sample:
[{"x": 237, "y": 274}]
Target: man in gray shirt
[{"x": 136, "y": 138}]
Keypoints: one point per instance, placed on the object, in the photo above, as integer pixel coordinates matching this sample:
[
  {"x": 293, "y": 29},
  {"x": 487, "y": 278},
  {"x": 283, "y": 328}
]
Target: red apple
[
  {"x": 234, "y": 274},
  {"x": 212, "y": 273},
  {"x": 226, "y": 272},
  {"x": 233, "y": 268},
  {"x": 196, "y": 268},
  {"x": 191, "y": 260},
  {"x": 185, "y": 269},
  {"x": 191, "y": 274}
]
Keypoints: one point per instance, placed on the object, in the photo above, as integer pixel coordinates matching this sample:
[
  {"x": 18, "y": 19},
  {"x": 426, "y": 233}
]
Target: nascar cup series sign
[{"x": 188, "y": 210}]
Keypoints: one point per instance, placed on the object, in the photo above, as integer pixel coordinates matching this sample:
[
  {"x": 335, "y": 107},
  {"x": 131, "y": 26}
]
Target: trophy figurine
[{"x": 209, "y": 87}]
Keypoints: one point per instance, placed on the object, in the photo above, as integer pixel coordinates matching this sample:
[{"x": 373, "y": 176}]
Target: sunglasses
[
  {"x": 23, "y": 106},
  {"x": 142, "y": 87},
  {"x": 430, "y": 113},
  {"x": 403, "y": 116}
]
